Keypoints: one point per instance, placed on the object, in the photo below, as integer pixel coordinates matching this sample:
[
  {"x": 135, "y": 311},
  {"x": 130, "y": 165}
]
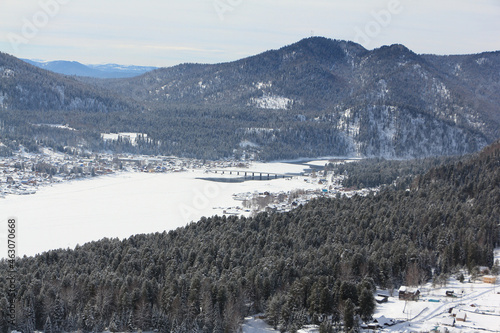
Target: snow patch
[
  {"x": 259, "y": 130},
  {"x": 263, "y": 85},
  {"x": 201, "y": 85},
  {"x": 132, "y": 138},
  {"x": 441, "y": 89},
  {"x": 481, "y": 61},
  {"x": 246, "y": 144},
  {"x": 272, "y": 102},
  {"x": 7, "y": 73},
  {"x": 60, "y": 126},
  {"x": 434, "y": 311}
]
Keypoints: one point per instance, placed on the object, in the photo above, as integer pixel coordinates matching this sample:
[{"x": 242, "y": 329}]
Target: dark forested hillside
[
  {"x": 26, "y": 87},
  {"x": 321, "y": 258}
]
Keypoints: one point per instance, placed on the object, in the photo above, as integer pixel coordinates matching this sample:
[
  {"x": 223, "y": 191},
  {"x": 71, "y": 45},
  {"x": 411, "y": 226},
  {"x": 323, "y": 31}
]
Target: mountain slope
[
  {"x": 26, "y": 87},
  {"x": 317, "y": 97},
  {"x": 386, "y": 102},
  {"x": 318, "y": 74}
]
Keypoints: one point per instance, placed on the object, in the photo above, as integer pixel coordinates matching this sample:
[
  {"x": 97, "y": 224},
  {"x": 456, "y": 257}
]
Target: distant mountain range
[
  {"x": 317, "y": 97},
  {"x": 108, "y": 71}
]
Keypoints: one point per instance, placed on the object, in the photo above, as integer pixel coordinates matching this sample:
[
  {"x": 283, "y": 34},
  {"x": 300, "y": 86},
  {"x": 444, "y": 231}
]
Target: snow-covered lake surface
[{"x": 121, "y": 205}]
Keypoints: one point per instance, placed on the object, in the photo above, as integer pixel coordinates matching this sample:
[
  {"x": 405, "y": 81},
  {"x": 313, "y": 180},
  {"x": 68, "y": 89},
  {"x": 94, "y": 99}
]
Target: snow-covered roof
[
  {"x": 448, "y": 321},
  {"x": 383, "y": 321},
  {"x": 461, "y": 316},
  {"x": 405, "y": 289}
]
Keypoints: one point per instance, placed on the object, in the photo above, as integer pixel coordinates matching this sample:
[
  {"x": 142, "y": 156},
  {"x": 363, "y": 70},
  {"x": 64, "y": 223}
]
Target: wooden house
[
  {"x": 489, "y": 279},
  {"x": 409, "y": 294}
]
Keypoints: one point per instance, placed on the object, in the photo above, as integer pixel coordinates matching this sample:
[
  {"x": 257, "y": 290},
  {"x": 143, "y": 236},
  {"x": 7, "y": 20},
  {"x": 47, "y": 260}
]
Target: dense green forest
[{"x": 316, "y": 264}]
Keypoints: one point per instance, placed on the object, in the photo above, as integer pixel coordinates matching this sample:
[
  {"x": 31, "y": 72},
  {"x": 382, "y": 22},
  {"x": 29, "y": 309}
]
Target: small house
[
  {"x": 489, "y": 279},
  {"x": 461, "y": 316},
  {"x": 484, "y": 270},
  {"x": 448, "y": 321},
  {"x": 381, "y": 322},
  {"x": 381, "y": 298},
  {"x": 409, "y": 294},
  {"x": 450, "y": 293}
]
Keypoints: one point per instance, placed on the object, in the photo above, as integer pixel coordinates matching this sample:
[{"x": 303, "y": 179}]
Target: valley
[
  {"x": 84, "y": 198},
  {"x": 194, "y": 198}
]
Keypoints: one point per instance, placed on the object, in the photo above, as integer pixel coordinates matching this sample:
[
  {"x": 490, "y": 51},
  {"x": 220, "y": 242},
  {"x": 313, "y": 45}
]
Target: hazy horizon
[{"x": 155, "y": 33}]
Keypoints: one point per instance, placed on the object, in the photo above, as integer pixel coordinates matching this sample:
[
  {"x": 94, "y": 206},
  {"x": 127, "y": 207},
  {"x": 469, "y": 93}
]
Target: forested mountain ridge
[
  {"x": 317, "y": 97},
  {"x": 386, "y": 102},
  {"x": 26, "y": 87},
  {"x": 321, "y": 76},
  {"x": 320, "y": 259}
]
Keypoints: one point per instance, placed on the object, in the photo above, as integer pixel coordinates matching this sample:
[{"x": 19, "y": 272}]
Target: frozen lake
[{"x": 121, "y": 205}]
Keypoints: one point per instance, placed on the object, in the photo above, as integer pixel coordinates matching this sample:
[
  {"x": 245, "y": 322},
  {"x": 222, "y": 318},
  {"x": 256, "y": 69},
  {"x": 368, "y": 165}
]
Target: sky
[{"x": 164, "y": 33}]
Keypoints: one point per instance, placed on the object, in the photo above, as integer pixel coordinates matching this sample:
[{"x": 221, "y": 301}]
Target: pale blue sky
[{"x": 169, "y": 32}]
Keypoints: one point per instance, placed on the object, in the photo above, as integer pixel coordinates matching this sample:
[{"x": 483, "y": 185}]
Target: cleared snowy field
[{"x": 121, "y": 205}]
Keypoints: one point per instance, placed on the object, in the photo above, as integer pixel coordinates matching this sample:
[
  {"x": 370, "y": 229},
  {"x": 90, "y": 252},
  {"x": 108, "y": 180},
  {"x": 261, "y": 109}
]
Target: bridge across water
[{"x": 251, "y": 175}]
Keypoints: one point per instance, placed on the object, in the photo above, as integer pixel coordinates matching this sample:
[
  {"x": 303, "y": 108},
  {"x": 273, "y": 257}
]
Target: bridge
[{"x": 251, "y": 175}]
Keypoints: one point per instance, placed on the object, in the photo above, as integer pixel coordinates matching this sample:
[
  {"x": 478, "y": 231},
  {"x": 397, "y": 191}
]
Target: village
[
  {"x": 314, "y": 185},
  {"x": 23, "y": 173}
]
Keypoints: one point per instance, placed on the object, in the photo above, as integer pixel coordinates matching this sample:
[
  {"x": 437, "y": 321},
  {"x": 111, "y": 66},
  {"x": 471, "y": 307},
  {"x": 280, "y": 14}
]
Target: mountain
[
  {"x": 385, "y": 102},
  {"x": 107, "y": 71},
  {"x": 317, "y": 97},
  {"x": 26, "y": 87},
  {"x": 118, "y": 71}
]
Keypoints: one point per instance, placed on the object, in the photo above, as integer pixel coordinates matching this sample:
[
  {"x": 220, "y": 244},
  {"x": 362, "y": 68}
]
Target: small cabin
[
  {"x": 381, "y": 322},
  {"x": 484, "y": 270},
  {"x": 489, "y": 279},
  {"x": 381, "y": 298},
  {"x": 409, "y": 294},
  {"x": 448, "y": 321},
  {"x": 461, "y": 316}
]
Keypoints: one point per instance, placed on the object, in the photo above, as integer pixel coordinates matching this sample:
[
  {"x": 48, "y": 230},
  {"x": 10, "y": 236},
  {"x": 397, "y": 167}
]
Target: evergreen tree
[
  {"x": 47, "y": 327},
  {"x": 58, "y": 315},
  {"x": 366, "y": 304},
  {"x": 349, "y": 315},
  {"x": 29, "y": 316}
]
